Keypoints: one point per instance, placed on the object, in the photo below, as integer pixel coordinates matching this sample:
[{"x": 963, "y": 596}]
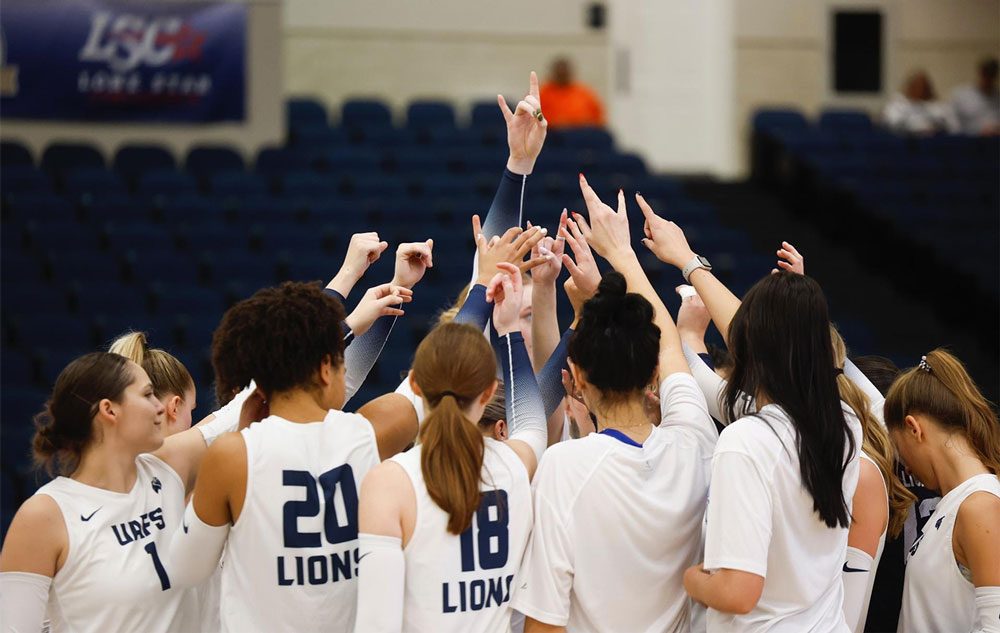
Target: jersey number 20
[
  {"x": 337, "y": 528},
  {"x": 492, "y": 538}
]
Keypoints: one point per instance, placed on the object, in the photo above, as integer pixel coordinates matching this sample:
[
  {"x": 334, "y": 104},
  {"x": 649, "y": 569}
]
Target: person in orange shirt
[{"x": 569, "y": 103}]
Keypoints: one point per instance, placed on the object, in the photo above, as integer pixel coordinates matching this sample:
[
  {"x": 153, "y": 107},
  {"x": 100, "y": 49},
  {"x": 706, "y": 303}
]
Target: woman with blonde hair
[{"x": 172, "y": 383}]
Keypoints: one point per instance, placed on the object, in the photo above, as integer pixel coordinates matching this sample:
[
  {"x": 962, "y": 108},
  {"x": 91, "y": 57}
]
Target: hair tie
[
  {"x": 838, "y": 370},
  {"x": 449, "y": 393},
  {"x": 923, "y": 364}
]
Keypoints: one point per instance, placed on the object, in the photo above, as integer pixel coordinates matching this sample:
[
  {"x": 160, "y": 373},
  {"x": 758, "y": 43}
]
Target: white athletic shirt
[
  {"x": 292, "y": 556},
  {"x": 617, "y": 524},
  {"x": 863, "y": 617},
  {"x": 463, "y": 583},
  {"x": 761, "y": 520},
  {"x": 113, "y": 579},
  {"x": 937, "y": 595}
]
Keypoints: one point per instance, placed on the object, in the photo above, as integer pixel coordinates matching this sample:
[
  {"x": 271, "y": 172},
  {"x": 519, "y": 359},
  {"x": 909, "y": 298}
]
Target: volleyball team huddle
[{"x": 520, "y": 478}]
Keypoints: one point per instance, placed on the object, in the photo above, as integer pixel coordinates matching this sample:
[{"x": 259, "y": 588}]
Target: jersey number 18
[{"x": 492, "y": 538}]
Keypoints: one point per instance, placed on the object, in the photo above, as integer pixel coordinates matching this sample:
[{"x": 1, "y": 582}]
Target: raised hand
[
  {"x": 362, "y": 252},
  {"x": 511, "y": 247},
  {"x": 790, "y": 260},
  {"x": 583, "y": 271},
  {"x": 505, "y": 290},
  {"x": 664, "y": 238},
  {"x": 376, "y": 302},
  {"x": 550, "y": 250},
  {"x": 255, "y": 408},
  {"x": 526, "y": 129},
  {"x": 608, "y": 230},
  {"x": 577, "y": 411},
  {"x": 692, "y": 321},
  {"x": 412, "y": 261},
  {"x": 577, "y": 297}
]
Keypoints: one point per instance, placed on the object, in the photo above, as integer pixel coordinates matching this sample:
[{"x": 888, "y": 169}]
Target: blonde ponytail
[{"x": 169, "y": 376}]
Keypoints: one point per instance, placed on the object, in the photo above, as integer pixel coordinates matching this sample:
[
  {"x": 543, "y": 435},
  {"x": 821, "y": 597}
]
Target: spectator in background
[
  {"x": 569, "y": 103},
  {"x": 978, "y": 105},
  {"x": 916, "y": 109}
]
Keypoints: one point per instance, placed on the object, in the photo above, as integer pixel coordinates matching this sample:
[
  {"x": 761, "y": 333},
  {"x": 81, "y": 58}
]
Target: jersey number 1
[
  {"x": 492, "y": 554},
  {"x": 160, "y": 571},
  {"x": 338, "y": 529}
]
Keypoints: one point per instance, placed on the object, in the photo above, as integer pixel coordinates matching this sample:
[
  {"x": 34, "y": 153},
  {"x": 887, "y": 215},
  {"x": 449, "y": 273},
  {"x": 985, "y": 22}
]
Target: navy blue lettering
[
  {"x": 496, "y": 592},
  {"x": 145, "y": 524},
  {"x": 322, "y": 575},
  {"x": 340, "y": 529},
  {"x": 510, "y": 579},
  {"x": 156, "y": 516},
  {"x": 465, "y": 539},
  {"x": 136, "y": 529},
  {"x": 341, "y": 566},
  {"x": 476, "y": 599},
  {"x": 294, "y": 509},
  {"x": 123, "y": 536},
  {"x": 281, "y": 573},
  {"x": 446, "y": 606},
  {"x": 461, "y": 594}
]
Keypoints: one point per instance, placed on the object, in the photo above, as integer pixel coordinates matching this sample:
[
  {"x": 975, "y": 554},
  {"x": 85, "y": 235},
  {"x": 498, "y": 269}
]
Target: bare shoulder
[
  {"x": 37, "y": 540},
  {"x": 976, "y": 536},
  {"x": 979, "y": 508},
  {"x": 386, "y": 478}
]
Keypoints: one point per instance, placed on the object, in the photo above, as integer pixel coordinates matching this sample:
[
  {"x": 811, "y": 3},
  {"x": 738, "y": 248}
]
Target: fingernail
[
  {"x": 581, "y": 175},
  {"x": 620, "y": 191},
  {"x": 638, "y": 193},
  {"x": 545, "y": 231}
]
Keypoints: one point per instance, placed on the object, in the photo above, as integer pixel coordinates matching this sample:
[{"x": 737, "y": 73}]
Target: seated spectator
[
  {"x": 978, "y": 105},
  {"x": 916, "y": 109},
  {"x": 569, "y": 103}
]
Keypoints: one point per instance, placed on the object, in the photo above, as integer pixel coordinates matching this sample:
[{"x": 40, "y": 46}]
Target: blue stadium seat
[
  {"x": 366, "y": 184},
  {"x": 845, "y": 121},
  {"x": 365, "y": 113},
  {"x": 310, "y": 267},
  {"x": 238, "y": 183},
  {"x": 100, "y": 296},
  {"x": 317, "y": 136},
  {"x": 487, "y": 114},
  {"x": 205, "y": 160},
  {"x": 305, "y": 111},
  {"x": 118, "y": 208},
  {"x": 132, "y": 160},
  {"x": 166, "y": 182},
  {"x": 120, "y": 238},
  {"x": 52, "y": 360},
  {"x": 287, "y": 238},
  {"x": 346, "y": 158},
  {"x": 226, "y": 267},
  {"x": 204, "y": 238},
  {"x": 769, "y": 119},
  {"x": 41, "y": 207},
  {"x": 383, "y": 137},
  {"x": 13, "y": 153},
  {"x": 419, "y": 160},
  {"x": 429, "y": 114},
  {"x": 595, "y": 139},
  {"x": 190, "y": 300},
  {"x": 152, "y": 267},
  {"x": 159, "y": 329},
  {"x": 61, "y": 157},
  {"x": 92, "y": 267},
  {"x": 24, "y": 293},
  {"x": 195, "y": 337},
  {"x": 190, "y": 208},
  {"x": 20, "y": 404},
  {"x": 276, "y": 161},
  {"x": 309, "y": 184},
  {"x": 92, "y": 182},
  {"x": 261, "y": 208},
  {"x": 61, "y": 236},
  {"x": 23, "y": 179},
  {"x": 65, "y": 331}
]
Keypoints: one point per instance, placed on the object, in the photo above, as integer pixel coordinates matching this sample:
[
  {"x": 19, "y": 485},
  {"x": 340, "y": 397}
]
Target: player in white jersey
[
  {"x": 445, "y": 524},
  {"x": 87, "y": 550},
  {"x": 949, "y": 438},
  {"x": 618, "y": 513},
  {"x": 282, "y": 495}
]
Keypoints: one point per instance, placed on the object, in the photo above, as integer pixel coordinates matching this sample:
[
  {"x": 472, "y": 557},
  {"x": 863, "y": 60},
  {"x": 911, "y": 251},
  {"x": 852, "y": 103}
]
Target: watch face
[{"x": 704, "y": 262}]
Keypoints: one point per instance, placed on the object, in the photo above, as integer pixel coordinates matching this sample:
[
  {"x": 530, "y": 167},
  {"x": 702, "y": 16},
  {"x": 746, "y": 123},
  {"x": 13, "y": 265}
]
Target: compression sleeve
[
  {"x": 987, "y": 610},
  {"x": 710, "y": 383},
  {"x": 381, "y": 581},
  {"x": 227, "y": 419},
  {"x": 23, "y": 598},
  {"x": 875, "y": 397},
  {"x": 506, "y": 210},
  {"x": 856, "y": 574},
  {"x": 418, "y": 403},
  {"x": 475, "y": 311},
  {"x": 195, "y": 550},
  {"x": 550, "y": 376},
  {"x": 361, "y": 354},
  {"x": 525, "y": 413},
  {"x": 348, "y": 334}
]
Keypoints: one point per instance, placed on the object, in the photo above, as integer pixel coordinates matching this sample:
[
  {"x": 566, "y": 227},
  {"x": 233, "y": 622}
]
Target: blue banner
[{"x": 114, "y": 60}]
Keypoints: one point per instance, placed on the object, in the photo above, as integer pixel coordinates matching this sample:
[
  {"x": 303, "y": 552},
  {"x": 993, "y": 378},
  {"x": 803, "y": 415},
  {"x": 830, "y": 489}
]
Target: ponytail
[
  {"x": 454, "y": 365},
  {"x": 169, "y": 376},
  {"x": 942, "y": 389},
  {"x": 451, "y": 460}
]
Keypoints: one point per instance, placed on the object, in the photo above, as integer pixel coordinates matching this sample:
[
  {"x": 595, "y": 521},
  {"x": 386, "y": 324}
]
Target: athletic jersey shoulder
[
  {"x": 463, "y": 583},
  {"x": 291, "y": 561},
  {"x": 938, "y": 593},
  {"x": 113, "y": 578}
]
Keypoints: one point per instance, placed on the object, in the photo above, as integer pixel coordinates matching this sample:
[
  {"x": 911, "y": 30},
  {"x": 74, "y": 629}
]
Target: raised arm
[
  {"x": 609, "y": 236},
  {"x": 363, "y": 250},
  {"x": 525, "y": 412},
  {"x": 544, "y": 320}
]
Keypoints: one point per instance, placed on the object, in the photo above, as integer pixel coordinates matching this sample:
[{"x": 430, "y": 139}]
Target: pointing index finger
[{"x": 533, "y": 84}]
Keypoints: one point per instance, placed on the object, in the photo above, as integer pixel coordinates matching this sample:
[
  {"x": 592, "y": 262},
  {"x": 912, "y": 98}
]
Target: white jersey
[
  {"x": 761, "y": 520},
  {"x": 878, "y": 555},
  {"x": 291, "y": 560},
  {"x": 938, "y": 594},
  {"x": 113, "y": 579},
  {"x": 463, "y": 583},
  {"x": 617, "y": 523}
]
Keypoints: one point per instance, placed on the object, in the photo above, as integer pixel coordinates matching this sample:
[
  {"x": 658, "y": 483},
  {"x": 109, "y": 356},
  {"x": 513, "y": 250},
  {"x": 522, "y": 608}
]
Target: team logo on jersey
[
  {"x": 156, "y": 484},
  {"x": 937, "y": 524}
]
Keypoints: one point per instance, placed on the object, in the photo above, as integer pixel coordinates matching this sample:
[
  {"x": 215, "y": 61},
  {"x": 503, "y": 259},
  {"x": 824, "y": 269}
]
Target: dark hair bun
[{"x": 613, "y": 307}]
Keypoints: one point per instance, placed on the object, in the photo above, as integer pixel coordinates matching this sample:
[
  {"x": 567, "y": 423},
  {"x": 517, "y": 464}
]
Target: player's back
[
  {"x": 112, "y": 579},
  {"x": 463, "y": 583},
  {"x": 291, "y": 560}
]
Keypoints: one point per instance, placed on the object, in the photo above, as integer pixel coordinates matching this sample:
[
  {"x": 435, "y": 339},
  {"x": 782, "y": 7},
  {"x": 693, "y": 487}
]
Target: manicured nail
[{"x": 638, "y": 193}]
